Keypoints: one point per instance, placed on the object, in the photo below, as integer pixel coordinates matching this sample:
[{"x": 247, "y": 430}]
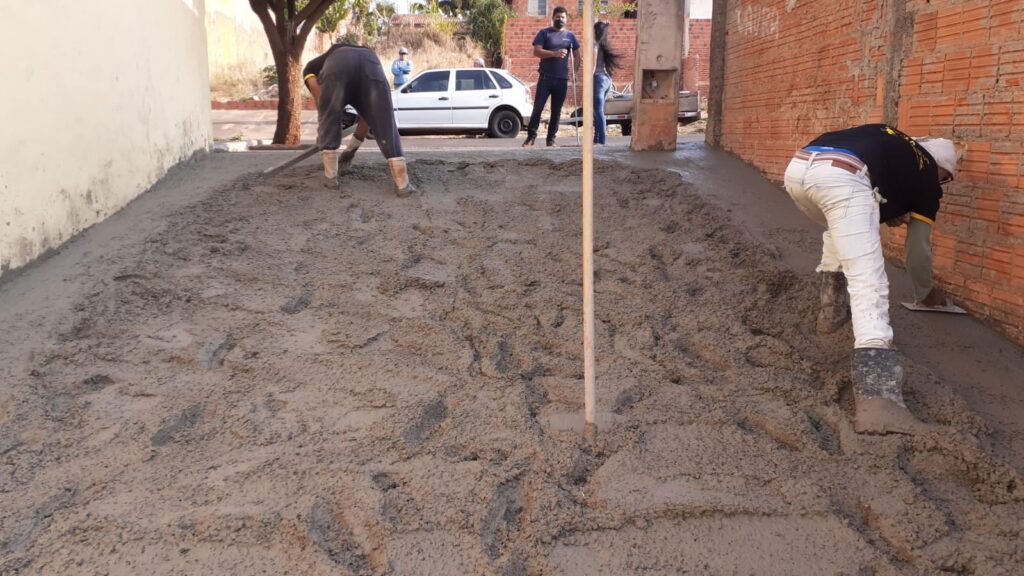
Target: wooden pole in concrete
[{"x": 589, "y": 392}]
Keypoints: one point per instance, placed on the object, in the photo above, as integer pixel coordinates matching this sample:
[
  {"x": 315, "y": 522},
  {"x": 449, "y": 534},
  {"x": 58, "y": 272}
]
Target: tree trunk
[
  {"x": 287, "y": 30},
  {"x": 289, "y": 105}
]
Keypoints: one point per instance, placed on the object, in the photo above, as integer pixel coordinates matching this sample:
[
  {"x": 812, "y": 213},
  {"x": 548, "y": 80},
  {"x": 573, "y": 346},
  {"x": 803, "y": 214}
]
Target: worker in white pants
[
  {"x": 850, "y": 181},
  {"x": 845, "y": 203}
]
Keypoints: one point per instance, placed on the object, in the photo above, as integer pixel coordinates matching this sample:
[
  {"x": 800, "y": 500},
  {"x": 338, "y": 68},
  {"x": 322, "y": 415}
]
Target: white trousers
[{"x": 847, "y": 206}]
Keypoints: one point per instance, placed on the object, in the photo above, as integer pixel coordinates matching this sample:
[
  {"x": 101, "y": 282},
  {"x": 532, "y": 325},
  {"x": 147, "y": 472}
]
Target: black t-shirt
[
  {"x": 904, "y": 173},
  {"x": 314, "y": 66}
]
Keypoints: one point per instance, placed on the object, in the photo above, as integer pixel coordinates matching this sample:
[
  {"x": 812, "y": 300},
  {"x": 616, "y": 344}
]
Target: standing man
[
  {"x": 401, "y": 68},
  {"x": 352, "y": 75},
  {"x": 850, "y": 181},
  {"x": 553, "y": 46}
]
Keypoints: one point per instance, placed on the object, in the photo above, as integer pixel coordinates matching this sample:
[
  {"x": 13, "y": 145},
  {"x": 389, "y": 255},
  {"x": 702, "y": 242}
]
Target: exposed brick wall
[
  {"x": 696, "y": 63},
  {"x": 790, "y": 75},
  {"x": 519, "y": 59}
]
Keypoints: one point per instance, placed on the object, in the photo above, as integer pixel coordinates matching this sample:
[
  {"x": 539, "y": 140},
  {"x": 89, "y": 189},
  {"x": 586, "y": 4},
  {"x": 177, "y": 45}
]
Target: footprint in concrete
[
  {"x": 96, "y": 382},
  {"x": 431, "y": 417},
  {"x": 60, "y": 405},
  {"x": 335, "y": 539},
  {"x": 185, "y": 421},
  {"x": 501, "y": 519},
  {"x": 516, "y": 566},
  {"x": 827, "y": 438},
  {"x": 212, "y": 354},
  {"x": 18, "y": 538},
  {"x": 627, "y": 398},
  {"x": 501, "y": 356},
  {"x": 297, "y": 304}
]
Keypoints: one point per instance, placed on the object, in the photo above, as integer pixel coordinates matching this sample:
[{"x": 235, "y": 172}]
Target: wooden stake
[{"x": 589, "y": 391}]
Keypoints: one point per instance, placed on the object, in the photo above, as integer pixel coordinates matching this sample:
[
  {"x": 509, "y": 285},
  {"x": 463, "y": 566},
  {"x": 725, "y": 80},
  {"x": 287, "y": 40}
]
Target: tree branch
[
  {"x": 262, "y": 9},
  {"x": 308, "y": 21},
  {"x": 314, "y": 10}
]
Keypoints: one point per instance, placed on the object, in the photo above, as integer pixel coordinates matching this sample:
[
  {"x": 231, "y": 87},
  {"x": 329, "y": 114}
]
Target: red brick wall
[
  {"x": 790, "y": 75},
  {"x": 696, "y": 64},
  {"x": 519, "y": 59}
]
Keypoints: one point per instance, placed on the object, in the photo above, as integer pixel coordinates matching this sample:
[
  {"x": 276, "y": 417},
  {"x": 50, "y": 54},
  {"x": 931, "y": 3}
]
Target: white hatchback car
[{"x": 463, "y": 100}]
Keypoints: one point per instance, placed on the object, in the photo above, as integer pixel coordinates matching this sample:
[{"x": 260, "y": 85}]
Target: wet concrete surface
[{"x": 214, "y": 425}]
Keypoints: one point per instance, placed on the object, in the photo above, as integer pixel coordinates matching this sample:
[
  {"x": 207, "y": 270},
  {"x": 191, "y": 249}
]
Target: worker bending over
[
  {"x": 352, "y": 75},
  {"x": 850, "y": 181}
]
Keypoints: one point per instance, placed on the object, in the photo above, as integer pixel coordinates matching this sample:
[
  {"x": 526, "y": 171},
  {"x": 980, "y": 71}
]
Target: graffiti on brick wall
[{"x": 758, "y": 21}]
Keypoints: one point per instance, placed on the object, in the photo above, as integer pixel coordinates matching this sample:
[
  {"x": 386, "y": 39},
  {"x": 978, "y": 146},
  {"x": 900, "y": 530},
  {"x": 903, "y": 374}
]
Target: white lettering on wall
[{"x": 758, "y": 21}]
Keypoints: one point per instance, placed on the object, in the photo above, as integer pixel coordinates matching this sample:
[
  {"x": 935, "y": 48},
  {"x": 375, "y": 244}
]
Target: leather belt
[{"x": 851, "y": 164}]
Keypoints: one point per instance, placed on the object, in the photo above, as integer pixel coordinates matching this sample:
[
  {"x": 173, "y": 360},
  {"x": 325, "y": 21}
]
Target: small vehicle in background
[{"x": 463, "y": 100}]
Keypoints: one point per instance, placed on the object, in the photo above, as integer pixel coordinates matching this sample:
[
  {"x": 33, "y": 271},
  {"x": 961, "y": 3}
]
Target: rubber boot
[
  {"x": 330, "y": 160},
  {"x": 400, "y": 174},
  {"x": 878, "y": 378},
  {"x": 345, "y": 159},
  {"x": 835, "y": 303}
]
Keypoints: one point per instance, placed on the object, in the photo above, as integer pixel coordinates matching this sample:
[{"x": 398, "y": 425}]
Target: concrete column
[
  {"x": 716, "y": 73},
  {"x": 659, "y": 46}
]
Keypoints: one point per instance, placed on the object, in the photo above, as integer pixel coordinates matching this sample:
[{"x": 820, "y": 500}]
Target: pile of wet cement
[{"x": 288, "y": 380}]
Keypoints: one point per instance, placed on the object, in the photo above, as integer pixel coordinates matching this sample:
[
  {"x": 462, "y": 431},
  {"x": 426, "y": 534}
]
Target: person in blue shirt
[
  {"x": 552, "y": 45},
  {"x": 401, "y": 68}
]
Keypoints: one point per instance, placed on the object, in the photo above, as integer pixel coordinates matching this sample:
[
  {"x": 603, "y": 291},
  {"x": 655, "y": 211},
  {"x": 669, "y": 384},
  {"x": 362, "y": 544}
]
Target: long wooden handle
[
  {"x": 589, "y": 385},
  {"x": 305, "y": 154},
  {"x": 278, "y": 167}
]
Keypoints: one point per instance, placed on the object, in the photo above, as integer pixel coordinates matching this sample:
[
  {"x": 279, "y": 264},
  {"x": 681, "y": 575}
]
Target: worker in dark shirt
[
  {"x": 552, "y": 45},
  {"x": 352, "y": 75},
  {"x": 852, "y": 180}
]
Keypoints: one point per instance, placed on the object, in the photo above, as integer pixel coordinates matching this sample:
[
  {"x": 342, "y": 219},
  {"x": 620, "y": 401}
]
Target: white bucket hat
[{"x": 942, "y": 150}]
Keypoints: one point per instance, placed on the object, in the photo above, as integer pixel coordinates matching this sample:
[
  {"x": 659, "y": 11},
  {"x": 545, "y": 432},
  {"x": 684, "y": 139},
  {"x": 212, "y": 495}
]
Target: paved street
[{"x": 259, "y": 125}]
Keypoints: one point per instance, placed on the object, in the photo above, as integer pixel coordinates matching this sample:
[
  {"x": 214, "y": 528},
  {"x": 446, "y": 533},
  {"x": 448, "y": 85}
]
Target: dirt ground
[{"x": 275, "y": 378}]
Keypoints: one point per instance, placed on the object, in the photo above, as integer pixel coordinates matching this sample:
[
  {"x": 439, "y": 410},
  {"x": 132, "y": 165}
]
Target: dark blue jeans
[
  {"x": 556, "y": 89},
  {"x": 602, "y": 86}
]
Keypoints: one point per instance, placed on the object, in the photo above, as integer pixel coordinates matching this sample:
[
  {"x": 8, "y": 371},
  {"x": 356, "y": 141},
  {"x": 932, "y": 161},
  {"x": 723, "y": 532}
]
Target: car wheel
[
  {"x": 627, "y": 128},
  {"x": 505, "y": 124}
]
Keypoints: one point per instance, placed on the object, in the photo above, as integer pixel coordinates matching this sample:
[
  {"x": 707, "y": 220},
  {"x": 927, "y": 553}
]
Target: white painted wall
[{"x": 99, "y": 100}]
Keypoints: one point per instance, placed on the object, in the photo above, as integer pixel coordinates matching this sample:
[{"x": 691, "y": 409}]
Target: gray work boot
[
  {"x": 835, "y": 303},
  {"x": 878, "y": 378},
  {"x": 330, "y": 160},
  {"x": 400, "y": 174}
]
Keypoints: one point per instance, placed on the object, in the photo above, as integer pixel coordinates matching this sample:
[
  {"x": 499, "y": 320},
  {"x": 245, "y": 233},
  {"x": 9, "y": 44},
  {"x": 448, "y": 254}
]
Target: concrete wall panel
[{"x": 94, "y": 115}]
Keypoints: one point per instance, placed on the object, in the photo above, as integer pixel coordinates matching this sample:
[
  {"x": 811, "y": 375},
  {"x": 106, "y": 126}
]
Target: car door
[
  {"x": 425, "y": 101},
  {"x": 474, "y": 97}
]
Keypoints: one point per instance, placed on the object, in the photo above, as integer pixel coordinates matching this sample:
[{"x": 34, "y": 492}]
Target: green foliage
[
  {"x": 614, "y": 9},
  {"x": 268, "y": 74},
  {"x": 486, "y": 23},
  {"x": 335, "y": 15}
]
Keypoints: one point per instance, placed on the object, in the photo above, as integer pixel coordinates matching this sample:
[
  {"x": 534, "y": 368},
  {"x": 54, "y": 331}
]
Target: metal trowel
[{"x": 948, "y": 308}]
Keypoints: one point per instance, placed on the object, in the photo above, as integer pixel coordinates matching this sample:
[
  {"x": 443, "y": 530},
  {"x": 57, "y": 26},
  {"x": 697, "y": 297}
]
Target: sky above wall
[{"x": 700, "y": 9}]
